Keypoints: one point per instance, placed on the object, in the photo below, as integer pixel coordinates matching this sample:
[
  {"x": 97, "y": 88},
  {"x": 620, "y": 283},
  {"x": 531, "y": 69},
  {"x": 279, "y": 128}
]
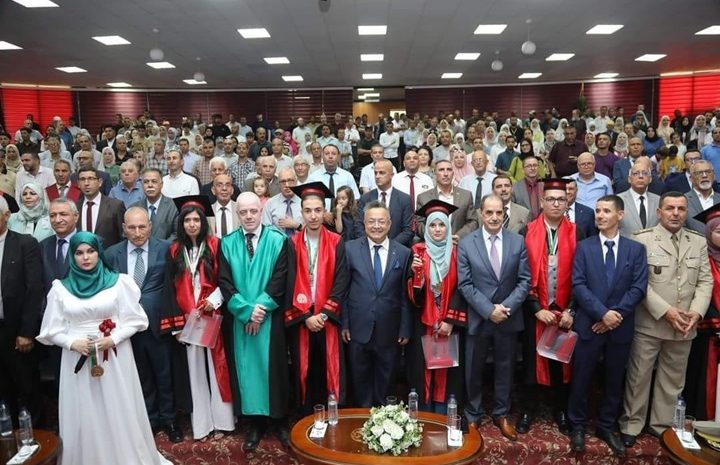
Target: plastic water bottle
[
  {"x": 679, "y": 421},
  {"x": 451, "y": 409},
  {"x": 332, "y": 409},
  {"x": 413, "y": 404},
  {"x": 26, "y": 431},
  {"x": 6, "y": 428}
]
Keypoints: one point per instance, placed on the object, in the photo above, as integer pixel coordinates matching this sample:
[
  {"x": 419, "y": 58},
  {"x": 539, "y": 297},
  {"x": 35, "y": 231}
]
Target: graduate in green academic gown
[{"x": 255, "y": 279}]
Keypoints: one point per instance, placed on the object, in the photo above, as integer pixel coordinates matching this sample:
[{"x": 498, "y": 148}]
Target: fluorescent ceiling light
[
  {"x": 605, "y": 75},
  {"x": 651, "y": 57},
  {"x": 160, "y": 65},
  {"x": 605, "y": 29},
  {"x": 467, "y": 56},
  {"x": 111, "y": 40},
  {"x": 71, "y": 69},
  {"x": 302, "y": 98},
  {"x": 277, "y": 60},
  {"x": 292, "y": 78},
  {"x": 372, "y": 30},
  {"x": 709, "y": 31},
  {"x": 8, "y": 46},
  {"x": 118, "y": 84},
  {"x": 372, "y": 76},
  {"x": 490, "y": 28},
  {"x": 560, "y": 57},
  {"x": 372, "y": 101},
  {"x": 371, "y": 94},
  {"x": 254, "y": 33},
  {"x": 676, "y": 73},
  {"x": 372, "y": 57},
  {"x": 193, "y": 82},
  {"x": 36, "y": 3},
  {"x": 363, "y": 89},
  {"x": 451, "y": 75},
  {"x": 529, "y": 75}
]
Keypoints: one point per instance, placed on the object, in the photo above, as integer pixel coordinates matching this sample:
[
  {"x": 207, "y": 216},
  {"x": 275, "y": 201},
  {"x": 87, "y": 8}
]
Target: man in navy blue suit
[
  {"x": 494, "y": 279},
  {"x": 579, "y": 214},
  {"x": 682, "y": 182},
  {"x": 376, "y": 319},
  {"x": 397, "y": 202},
  {"x": 145, "y": 259},
  {"x": 609, "y": 279}
]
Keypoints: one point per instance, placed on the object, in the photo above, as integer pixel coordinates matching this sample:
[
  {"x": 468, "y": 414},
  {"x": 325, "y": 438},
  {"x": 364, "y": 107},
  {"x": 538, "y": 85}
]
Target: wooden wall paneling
[{"x": 98, "y": 108}]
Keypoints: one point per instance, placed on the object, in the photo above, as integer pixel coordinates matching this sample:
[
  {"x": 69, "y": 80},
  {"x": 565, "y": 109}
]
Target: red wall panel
[
  {"x": 98, "y": 108},
  {"x": 43, "y": 104},
  {"x": 691, "y": 95}
]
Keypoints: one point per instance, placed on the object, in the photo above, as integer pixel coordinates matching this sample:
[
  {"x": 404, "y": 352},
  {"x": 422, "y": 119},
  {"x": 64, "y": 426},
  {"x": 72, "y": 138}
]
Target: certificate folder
[
  {"x": 441, "y": 352},
  {"x": 557, "y": 344},
  {"x": 201, "y": 329}
]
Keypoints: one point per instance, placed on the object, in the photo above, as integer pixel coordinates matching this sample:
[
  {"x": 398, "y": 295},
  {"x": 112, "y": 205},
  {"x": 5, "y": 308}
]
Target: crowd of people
[{"x": 326, "y": 252}]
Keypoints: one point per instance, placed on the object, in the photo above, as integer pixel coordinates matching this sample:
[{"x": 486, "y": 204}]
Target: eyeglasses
[
  {"x": 586, "y": 163},
  {"x": 703, "y": 172},
  {"x": 287, "y": 181},
  {"x": 556, "y": 200},
  {"x": 637, "y": 174},
  {"x": 92, "y": 178}
]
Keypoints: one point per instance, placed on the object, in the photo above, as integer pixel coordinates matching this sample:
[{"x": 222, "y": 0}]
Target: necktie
[
  {"x": 384, "y": 198},
  {"x": 139, "y": 272},
  {"x": 676, "y": 244},
  {"x": 153, "y": 209},
  {"x": 506, "y": 219},
  {"x": 610, "y": 262},
  {"x": 377, "y": 267},
  {"x": 60, "y": 257},
  {"x": 223, "y": 221},
  {"x": 494, "y": 257},
  {"x": 89, "y": 216},
  {"x": 249, "y": 244},
  {"x": 643, "y": 213},
  {"x": 289, "y": 214},
  {"x": 412, "y": 191},
  {"x": 567, "y": 214},
  {"x": 62, "y": 189},
  {"x": 331, "y": 184},
  {"x": 478, "y": 192}
]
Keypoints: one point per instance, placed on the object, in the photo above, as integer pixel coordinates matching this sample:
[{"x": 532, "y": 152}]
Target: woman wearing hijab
[
  {"x": 652, "y": 142},
  {"x": 641, "y": 121},
  {"x": 171, "y": 141},
  {"x": 700, "y": 134},
  {"x": 460, "y": 164},
  {"x": 664, "y": 130},
  {"x": 538, "y": 137},
  {"x": 590, "y": 141},
  {"x": 33, "y": 217},
  {"x": 287, "y": 139},
  {"x": 549, "y": 141},
  {"x": 621, "y": 145},
  {"x": 7, "y": 179},
  {"x": 490, "y": 140},
  {"x": 516, "y": 171},
  {"x": 499, "y": 147},
  {"x": 560, "y": 131},
  {"x": 12, "y": 158},
  {"x": 702, "y": 371},
  {"x": 91, "y": 315},
  {"x": 433, "y": 290}
]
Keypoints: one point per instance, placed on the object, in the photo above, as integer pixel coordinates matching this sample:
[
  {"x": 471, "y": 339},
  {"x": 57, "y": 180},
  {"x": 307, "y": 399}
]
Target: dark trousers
[
  {"x": 19, "y": 378},
  {"x": 587, "y": 355},
  {"x": 373, "y": 369},
  {"x": 154, "y": 360},
  {"x": 476, "y": 352}
]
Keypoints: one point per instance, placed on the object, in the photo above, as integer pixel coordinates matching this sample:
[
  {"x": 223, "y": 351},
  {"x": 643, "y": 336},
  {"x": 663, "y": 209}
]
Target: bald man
[{"x": 591, "y": 185}]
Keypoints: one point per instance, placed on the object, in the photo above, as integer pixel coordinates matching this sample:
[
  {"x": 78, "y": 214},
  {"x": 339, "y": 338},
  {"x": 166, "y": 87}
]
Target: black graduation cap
[
  {"x": 709, "y": 214},
  {"x": 12, "y": 203},
  {"x": 555, "y": 183},
  {"x": 313, "y": 188},
  {"x": 435, "y": 205},
  {"x": 200, "y": 201}
]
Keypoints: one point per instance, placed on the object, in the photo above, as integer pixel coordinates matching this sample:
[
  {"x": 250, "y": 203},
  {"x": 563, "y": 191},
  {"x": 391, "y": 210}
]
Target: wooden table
[
  {"x": 50, "y": 446},
  {"x": 679, "y": 455},
  {"x": 342, "y": 443}
]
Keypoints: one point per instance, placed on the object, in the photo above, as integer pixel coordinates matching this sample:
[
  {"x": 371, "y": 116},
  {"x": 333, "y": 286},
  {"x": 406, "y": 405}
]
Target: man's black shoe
[
  {"x": 523, "y": 424},
  {"x": 628, "y": 440},
  {"x": 613, "y": 442},
  {"x": 174, "y": 433},
  {"x": 563, "y": 423},
  {"x": 577, "y": 441},
  {"x": 252, "y": 439}
]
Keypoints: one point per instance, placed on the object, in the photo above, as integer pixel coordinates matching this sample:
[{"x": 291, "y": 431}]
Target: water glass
[
  {"x": 455, "y": 431},
  {"x": 319, "y": 411},
  {"x": 688, "y": 433},
  {"x": 391, "y": 400}
]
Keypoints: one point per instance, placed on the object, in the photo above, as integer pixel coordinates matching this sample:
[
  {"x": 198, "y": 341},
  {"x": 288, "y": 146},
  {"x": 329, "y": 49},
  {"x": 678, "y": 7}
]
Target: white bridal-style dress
[{"x": 102, "y": 419}]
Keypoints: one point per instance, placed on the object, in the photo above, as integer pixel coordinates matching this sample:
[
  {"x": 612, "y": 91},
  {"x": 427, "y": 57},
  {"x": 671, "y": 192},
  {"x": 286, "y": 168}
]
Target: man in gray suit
[
  {"x": 494, "y": 278},
  {"x": 529, "y": 189},
  {"x": 162, "y": 210},
  {"x": 516, "y": 216},
  {"x": 701, "y": 196},
  {"x": 640, "y": 203},
  {"x": 465, "y": 219}
]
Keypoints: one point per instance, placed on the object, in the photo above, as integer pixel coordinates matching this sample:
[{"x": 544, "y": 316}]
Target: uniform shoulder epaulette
[
  {"x": 642, "y": 231},
  {"x": 691, "y": 231}
]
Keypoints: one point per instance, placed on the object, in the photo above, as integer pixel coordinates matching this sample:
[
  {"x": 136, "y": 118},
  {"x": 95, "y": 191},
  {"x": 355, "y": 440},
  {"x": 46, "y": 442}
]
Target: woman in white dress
[{"x": 102, "y": 412}]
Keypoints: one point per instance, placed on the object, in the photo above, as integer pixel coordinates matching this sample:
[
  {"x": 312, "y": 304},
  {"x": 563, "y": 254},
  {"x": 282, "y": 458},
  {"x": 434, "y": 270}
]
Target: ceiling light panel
[
  {"x": 160, "y": 65},
  {"x": 254, "y": 33},
  {"x": 490, "y": 28},
  {"x": 372, "y": 57},
  {"x": 529, "y": 75},
  {"x": 372, "y": 30},
  {"x": 560, "y": 57},
  {"x": 605, "y": 75},
  {"x": 605, "y": 29},
  {"x": 467, "y": 56},
  {"x": 36, "y": 3},
  {"x": 118, "y": 84},
  {"x": 193, "y": 82},
  {"x": 71, "y": 69},
  {"x": 364, "y": 89},
  {"x": 651, "y": 57},
  {"x": 277, "y": 60},
  {"x": 451, "y": 75},
  {"x": 372, "y": 76},
  {"x": 8, "y": 46},
  {"x": 111, "y": 40},
  {"x": 709, "y": 31},
  {"x": 295, "y": 78}
]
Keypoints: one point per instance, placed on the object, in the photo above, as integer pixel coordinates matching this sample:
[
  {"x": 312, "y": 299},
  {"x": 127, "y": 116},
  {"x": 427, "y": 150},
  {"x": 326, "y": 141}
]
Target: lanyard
[{"x": 551, "y": 240}]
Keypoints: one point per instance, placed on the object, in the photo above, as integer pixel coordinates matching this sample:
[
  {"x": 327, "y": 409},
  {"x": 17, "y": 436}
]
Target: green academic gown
[{"x": 258, "y": 363}]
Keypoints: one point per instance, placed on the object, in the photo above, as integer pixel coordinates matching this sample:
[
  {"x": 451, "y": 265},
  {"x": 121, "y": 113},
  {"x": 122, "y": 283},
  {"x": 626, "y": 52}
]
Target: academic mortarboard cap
[
  {"x": 313, "y": 188},
  {"x": 435, "y": 205},
  {"x": 709, "y": 214},
  {"x": 555, "y": 183},
  {"x": 200, "y": 201},
  {"x": 12, "y": 203}
]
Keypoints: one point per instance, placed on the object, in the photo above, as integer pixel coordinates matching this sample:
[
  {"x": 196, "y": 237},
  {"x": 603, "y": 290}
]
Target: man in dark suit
[
  {"x": 376, "y": 319},
  {"x": 516, "y": 216},
  {"x": 85, "y": 160},
  {"x": 610, "y": 277},
  {"x": 63, "y": 187},
  {"x": 99, "y": 214},
  {"x": 398, "y": 204},
  {"x": 145, "y": 259},
  {"x": 494, "y": 278},
  {"x": 162, "y": 210},
  {"x": 108, "y": 139},
  {"x": 682, "y": 182},
  {"x": 22, "y": 294},
  {"x": 528, "y": 190},
  {"x": 701, "y": 196},
  {"x": 582, "y": 216},
  {"x": 465, "y": 219},
  {"x": 621, "y": 169}
]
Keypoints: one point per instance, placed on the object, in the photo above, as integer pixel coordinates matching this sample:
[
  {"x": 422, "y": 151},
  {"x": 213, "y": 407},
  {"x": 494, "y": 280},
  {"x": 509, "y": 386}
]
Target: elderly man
[
  {"x": 682, "y": 182},
  {"x": 515, "y": 216},
  {"x": 32, "y": 172},
  {"x": 640, "y": 203},
  {"x": 225, "y": 219},
  {"x": 218, "y": 166},
  {"x": 591, "y": 184},
  {"x": 367, "y": 174},
  {"x": 528, "y": 190},
  {"x": 564, "y": 155},
  {"x": 129, "y": 189},
  {"x": 621, "y": 169},
  {"x": 301, "y": 165},
  {"x": 53, "y": 153},
  {"x": 283, "y": 210},
  {"x": 702, "y": 196},
  {"x": 161, "y": 209},
  {"x": 260, "y": 141},
  {"x": 33, "y": 134},
  {"x": 177, "y": 183},
  {"x": 480, "y": 182},
  {"x": 267, "y": 170},
  {"x": 63, "y": 187},
  {"x": 86, "y": 146}
]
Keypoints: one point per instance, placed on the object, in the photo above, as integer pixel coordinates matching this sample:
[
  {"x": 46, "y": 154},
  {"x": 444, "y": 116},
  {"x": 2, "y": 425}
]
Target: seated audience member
[
  {"x": 504, "y": 159},
  {"x": 123, "y": 152},
  {"x": 516, "y": 171},
  {"x": 702, "y": 196},
  {"x": 682, "y": 182},
  {"x": 640, "y": 205},
  {"x": 591, "y": 185},
  {"x": 461, "y": 163},
  {"x": 266, "y": 170},
  {"x": 622, "y": 169},
  {"x": 652, "y": 142},
  {"x": 12, "y": 159},
  {"x": 218, "y": 166},
  {"x": 671, "y": 164},
  {"x": 178, "y": 183},
  {"x": 301, "y": 166},
  {"x": 243, "y": 166},
  {"x": 85, "y": 145},
  {"x": 426, "y": 165},
  {"x": 582, "y": 216},
  {"x": 33, "y": 216},
  {"x": 63, "y": 187},
  {"x": 109, "y": 165},
  {"x": 161, "y": 209},
  {"x": 157, "y": 158},
  {"x": 283, "y": 209},
  {"x": 129, "y": 189},
  {"x": 32, "y": 172}
]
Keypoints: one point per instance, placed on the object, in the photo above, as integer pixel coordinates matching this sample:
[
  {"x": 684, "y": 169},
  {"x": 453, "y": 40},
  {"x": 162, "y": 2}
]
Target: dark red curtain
[
  {"x": 691, "y": 95},
  {"x": 42, "y": 104}
]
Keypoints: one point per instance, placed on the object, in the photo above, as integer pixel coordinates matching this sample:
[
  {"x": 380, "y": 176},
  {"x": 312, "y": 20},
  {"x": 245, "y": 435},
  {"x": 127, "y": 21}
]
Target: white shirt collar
[
  {"x": 385, "y": 244},
  {"x": 615, "y": 239},
  {"x": 486, "y": 234},
  {"x": 131, "y": 247}
]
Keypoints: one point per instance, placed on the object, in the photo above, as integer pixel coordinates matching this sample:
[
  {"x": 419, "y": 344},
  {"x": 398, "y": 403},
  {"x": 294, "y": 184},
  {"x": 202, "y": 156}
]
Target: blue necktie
[
  {"x": 610, "y": 262},
  {"x": 377, "y": 267}
]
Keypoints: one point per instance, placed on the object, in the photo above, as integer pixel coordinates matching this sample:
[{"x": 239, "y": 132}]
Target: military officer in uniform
[{"x": 679, "y": 290}]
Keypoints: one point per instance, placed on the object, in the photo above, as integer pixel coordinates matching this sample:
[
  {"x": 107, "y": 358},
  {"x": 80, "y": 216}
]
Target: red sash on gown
[
  {"x": 185, "y": 296},
  {"x": 536, "y": 242},
  {"x": 713, "y": 350}
]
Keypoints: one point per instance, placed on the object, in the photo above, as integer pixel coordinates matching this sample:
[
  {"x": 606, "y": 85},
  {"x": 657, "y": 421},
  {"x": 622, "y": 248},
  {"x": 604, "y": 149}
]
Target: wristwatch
[
  {"x": 323, "y": 317},
  {"x": 571, "y": 312}
]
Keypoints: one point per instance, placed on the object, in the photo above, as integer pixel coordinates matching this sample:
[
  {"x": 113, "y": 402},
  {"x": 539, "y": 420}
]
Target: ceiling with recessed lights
[{"x": 422, "y": 41}]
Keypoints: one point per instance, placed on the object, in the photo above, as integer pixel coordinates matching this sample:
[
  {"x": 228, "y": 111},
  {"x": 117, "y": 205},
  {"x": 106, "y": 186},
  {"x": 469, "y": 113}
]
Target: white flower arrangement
[{"x": 390, "y": 429}]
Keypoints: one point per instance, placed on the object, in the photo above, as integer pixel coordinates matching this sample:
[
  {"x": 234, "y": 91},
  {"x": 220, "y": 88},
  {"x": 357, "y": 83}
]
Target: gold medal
[{"x": 97, "y": 371}]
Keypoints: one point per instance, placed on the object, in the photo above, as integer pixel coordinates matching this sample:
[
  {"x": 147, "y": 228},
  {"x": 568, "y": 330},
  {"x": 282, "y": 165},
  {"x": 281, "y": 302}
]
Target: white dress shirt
[
  {"x": 180, "y": 185},
  {"x": 498, "y": 244},
  {"x": 615, "y": 239},
  {"x": 636, "y": 200},
  {"x": 132, "y": 257},
  {"x": 470, "y": 183},
  {"x": 422, "y": 182},
  {"x": 705, "y": 202},
  {"x": 367, "y": 176},
  {"x": 44, "y": 178},
  {"x": 218, "y": 209},
  {"x": 390, "y": 143},
  {"x": 95, "y": 212},
  {"x": 383, "y": 252},
  {"x": 256, "y": 237}
]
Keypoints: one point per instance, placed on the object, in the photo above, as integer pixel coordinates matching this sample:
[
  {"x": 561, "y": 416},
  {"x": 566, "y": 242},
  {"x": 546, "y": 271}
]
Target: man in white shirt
[
  {"x": 283, "y": 210},
  {"x": 479, "y": 183},
  {"x": 300, "y": 132},
  {"x": 601, "y": 120},
  {"x": 35, "y": 135},
  {"x": 411, "y": 135},
  {"x": 333, "y": 176},
  {"x": 411, "y": 181},
  {"x": 53, "y": 152},
  {"x": 367, "y": 174},
  {"x": 244, "y": 128},
  {"x": 442, "y": 151},
  {"x": 86, "y": 145},
  {"x": 326, "y": 137},
  {"x": 701, "y": 196},
  {"x": 178, "y": 183},
  {"x": 316, "y": 152},
  {"x": 282, "y": 161},
  {"x": 390, "y": 141},
  {"x": 591, "y": 184},
  {"x": 189, "y": 158},
  {"x": 226, "y": 219},
  {"x": 32, "y": 172}
]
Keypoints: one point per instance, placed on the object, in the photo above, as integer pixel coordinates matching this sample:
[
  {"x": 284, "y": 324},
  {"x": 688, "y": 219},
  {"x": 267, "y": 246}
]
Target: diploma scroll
[
  {"x": 557, "y": 344},
  {"x": 441, "y": 352},
  {"x": 201, "y": 329}
]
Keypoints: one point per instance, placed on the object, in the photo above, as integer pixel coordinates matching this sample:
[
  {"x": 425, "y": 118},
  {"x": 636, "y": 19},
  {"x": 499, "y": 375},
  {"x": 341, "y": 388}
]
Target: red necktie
[{"x": 412, "y": 191}]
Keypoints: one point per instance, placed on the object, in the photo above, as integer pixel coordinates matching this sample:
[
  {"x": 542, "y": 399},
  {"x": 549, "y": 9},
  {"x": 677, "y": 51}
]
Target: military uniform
[{"x": 678, "y": 276}]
